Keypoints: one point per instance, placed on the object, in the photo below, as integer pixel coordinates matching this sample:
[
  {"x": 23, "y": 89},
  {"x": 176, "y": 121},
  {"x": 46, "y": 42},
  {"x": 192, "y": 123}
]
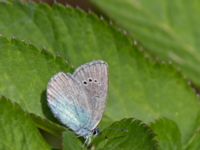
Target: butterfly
[{"x": 78, "y": 100}]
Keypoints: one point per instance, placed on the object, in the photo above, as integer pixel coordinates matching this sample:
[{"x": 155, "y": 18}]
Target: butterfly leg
[{"x": 88, "y": 140}]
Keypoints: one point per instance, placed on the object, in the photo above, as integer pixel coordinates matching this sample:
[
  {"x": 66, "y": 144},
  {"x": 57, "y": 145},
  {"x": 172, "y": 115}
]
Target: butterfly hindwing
[
  {"x": 68, "y": 101},
  {"x": 94, "y": 78}
]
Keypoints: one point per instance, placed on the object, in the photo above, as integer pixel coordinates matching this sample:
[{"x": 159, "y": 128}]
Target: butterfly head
[{"x": 90, "y": 134}]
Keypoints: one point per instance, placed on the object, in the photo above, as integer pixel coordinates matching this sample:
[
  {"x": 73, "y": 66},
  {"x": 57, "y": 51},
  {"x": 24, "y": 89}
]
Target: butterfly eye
[
  {"x": 96, "y": 132},
  {"x": 95, "y": 81},
  {"x": 90, "y": 80}
]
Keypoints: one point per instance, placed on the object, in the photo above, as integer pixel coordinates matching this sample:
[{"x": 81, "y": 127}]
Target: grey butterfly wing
[
  {"x": 68, "y": 101},
  {"x": 94, "y": 78}
]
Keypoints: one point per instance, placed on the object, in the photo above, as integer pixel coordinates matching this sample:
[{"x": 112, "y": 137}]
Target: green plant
[{"x": 39, "y": 40}]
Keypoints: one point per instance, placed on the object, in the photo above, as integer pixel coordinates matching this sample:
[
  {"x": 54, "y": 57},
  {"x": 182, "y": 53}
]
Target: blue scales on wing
[{"x": 69, "y": 102}]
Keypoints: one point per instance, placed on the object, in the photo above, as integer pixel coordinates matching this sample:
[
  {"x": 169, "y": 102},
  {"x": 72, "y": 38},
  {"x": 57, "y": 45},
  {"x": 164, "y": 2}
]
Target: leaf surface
[
  {"x": 126, "y": 134},
  {"x": 167, "y": 134},
  {"x": 167, "y": 28},
  {"x": 17, "y": 130}
]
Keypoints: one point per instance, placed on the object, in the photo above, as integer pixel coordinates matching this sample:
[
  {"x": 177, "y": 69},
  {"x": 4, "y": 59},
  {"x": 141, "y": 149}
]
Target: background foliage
[{"x": 38, "y": 40}]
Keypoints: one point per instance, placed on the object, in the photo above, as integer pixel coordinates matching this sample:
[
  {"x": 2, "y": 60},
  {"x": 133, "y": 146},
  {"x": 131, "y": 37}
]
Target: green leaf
[
  {"x": 167, "y": 28},
  {"x": 70, "y": 141},
  {"x": 138, "y": 87},
  {"x": 168, "y": 134},
  {"x": 17, "y": 130},
  {"x": 193, "y": 142},
  {"x": 126, "y": 134},
  {"x": 48, "y": 126},
  {"x": 25, "y": 72}
]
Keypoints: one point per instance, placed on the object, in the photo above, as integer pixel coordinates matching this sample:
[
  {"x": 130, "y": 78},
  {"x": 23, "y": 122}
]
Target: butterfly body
[{"x": 78, "y": 100}]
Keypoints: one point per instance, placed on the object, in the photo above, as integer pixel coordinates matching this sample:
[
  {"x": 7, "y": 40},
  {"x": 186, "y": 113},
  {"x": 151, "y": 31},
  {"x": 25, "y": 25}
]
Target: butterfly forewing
[
  {"x": 94, "y": 78},
  {"x": 68, "y": 101}
]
